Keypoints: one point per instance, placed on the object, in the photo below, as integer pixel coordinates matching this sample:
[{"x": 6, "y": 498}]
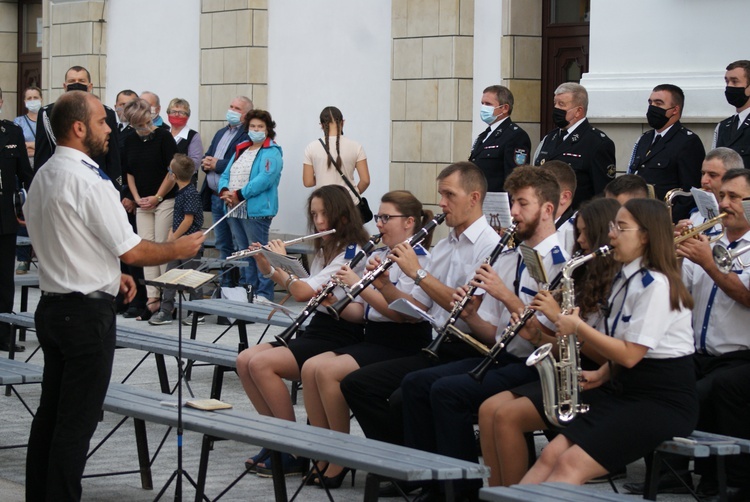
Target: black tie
[
  {"x": 734, "y": 125},
  {"x": 561, "y": 137},
  {"x": 484, "y": 135},
  {"x": 657, "y": 137}
]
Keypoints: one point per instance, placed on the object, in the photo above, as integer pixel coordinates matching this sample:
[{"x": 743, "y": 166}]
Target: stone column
[{"x": 9, "y": 57}]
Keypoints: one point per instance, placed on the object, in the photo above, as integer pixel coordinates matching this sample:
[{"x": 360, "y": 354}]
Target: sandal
[
  {"x": 252, "y": 463},
  {"x": 146, "y": 314}
]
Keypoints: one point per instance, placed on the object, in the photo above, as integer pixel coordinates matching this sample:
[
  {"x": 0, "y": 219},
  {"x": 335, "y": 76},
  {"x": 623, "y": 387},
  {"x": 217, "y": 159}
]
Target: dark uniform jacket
[
  {"x": 739, "y": 141},
  {"x": 14, "y": 165},
  {"x": 507, "y": 147},
  {"x": 589, "y": 152},
  {"x": 109, "y": 162},
  {"x": 674, "y": 162}
]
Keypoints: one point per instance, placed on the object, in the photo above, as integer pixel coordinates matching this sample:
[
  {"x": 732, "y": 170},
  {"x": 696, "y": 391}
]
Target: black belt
[{"x": 96, "y": 295}]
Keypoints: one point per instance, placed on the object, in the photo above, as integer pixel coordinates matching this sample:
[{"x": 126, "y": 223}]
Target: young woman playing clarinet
[
  {"x": 647, "y": 341},
  {"x": 400, "y": 216},
  {"x": 263, "y": 368},
  {"x": 506, "y": 417}
]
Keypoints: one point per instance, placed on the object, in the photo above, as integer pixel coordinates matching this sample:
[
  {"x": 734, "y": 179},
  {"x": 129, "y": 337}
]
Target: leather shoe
[
  {"x": 5, "y": 347},
  {"x": 667, "y": 484}
]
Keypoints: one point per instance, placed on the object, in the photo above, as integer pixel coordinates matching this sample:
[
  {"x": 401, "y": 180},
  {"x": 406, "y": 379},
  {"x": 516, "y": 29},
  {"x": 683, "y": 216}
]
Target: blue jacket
[{"x": 262, "y": 190}]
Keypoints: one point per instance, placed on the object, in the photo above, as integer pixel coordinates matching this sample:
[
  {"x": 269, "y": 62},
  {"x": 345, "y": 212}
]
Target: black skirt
[
  {"x": 323, "y": 334},
  {"x": 635, "y": 412},
  {"x": 389, "y": 340}
]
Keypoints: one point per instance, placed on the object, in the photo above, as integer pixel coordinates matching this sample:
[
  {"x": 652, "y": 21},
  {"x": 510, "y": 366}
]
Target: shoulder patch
[
  {"x": 520, "y": 156},
  {"x": 647, "y": 278},
  {"x": 419, "y": 250},
  {"x": 611, "y": 171},
  {"x": 557, "y": 256},
  {"x": 351, "y": 251}
]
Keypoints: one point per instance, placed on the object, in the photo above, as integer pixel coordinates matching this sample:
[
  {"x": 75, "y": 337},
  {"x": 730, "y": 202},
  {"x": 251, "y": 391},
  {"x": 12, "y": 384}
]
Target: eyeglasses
[
  {"x": 386, "y": 217},
  {"x": 616, "y": 229},
  {"x": 179, "y": 113}
]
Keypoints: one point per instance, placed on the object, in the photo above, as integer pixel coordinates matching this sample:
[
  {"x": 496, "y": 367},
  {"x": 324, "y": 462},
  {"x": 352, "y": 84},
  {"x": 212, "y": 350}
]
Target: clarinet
[
  {"x": 509, "y": 333},
  {"x": 353, "y": 292},
  {"x": 284, "y": 337},
  {"x": 459, "y": 307}
]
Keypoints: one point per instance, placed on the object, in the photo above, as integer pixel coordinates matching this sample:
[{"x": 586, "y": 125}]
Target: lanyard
[{"x": 626, "y": 286}]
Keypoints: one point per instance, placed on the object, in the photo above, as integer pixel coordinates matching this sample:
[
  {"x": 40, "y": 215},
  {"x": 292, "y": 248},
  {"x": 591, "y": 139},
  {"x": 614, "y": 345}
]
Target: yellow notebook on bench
[{"x": 208, "y": 404}]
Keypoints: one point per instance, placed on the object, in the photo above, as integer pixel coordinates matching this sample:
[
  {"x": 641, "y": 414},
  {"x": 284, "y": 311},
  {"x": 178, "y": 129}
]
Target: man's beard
[
  {"x": 529, "y": 228},
  {"x": 95, "y": 149}
]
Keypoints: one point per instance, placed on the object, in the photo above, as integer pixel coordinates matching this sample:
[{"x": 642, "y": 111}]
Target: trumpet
[
  {"x": 336, "y": 309},
  {"x": 694, "y": 231},
  {"x": 284, "y": 337},
  {"x": 250, "y": 252},
  {"x": 449, "y": 326},
  {"x": 723, "y": 257}
]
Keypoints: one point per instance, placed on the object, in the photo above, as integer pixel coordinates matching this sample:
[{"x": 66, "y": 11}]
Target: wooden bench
[
  {"x": 14, "y": 372},
  {"x": 380, "y": 460},
  {"x": 548, "y": 492},
  {"x": 725, "y": 446},
  {"x": 25, "y": 282},
  {"x": 223, "y": 358}
]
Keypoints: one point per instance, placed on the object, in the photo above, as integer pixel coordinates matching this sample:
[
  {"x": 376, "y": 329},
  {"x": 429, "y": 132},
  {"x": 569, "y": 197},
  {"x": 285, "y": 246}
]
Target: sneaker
[
  {"x": 160, "y": 318},
  {"x": 188, "y": 321},
  {"x": 23, "y": 268}
]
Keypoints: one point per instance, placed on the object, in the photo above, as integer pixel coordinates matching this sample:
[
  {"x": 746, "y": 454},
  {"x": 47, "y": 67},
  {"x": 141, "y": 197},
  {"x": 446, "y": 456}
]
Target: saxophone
[{"x": 561, "y": 379}]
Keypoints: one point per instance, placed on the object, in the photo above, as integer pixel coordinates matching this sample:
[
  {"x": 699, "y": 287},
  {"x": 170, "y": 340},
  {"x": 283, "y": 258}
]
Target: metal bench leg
[
  {"x": 218, "y": 381},
  {"x": 296, "y": 384},
  {"x": 161, "y": 369},
  {"x": 721, "y": 477},
  {"x": 279, "y": 481},
  {"x": 206, "y": 446},
  {"x": 141, "y": 442},
  {"x": 450, "y": 493},
  {"x": 372, "y": 487},
  {"x": 653, "y": 472}
]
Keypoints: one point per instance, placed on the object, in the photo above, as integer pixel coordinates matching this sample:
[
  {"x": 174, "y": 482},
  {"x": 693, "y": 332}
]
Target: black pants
[
  {"x": 77, "y": 336},
  {"x": 732, "y": 417},
  {"x": 7, "y": 285},
  {"x": 374, "y": 396}
]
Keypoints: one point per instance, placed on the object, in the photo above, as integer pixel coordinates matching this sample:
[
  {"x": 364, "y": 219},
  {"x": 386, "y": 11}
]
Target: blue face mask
[
  {"x": 486, "y": 113},
  {"x": 234, "y": 118},
  {"x": 257, "y": 136}
]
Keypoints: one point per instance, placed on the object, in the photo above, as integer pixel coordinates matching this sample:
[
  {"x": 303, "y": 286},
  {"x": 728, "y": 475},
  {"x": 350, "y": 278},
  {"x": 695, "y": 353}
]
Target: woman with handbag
[{"x": 333, "y": 159}]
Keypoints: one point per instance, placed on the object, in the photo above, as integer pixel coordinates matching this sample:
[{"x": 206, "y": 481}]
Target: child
[{"x": 187, "y": 219}]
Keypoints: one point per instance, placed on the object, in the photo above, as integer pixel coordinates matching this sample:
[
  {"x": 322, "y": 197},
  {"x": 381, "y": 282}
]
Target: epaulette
[
  {"x": 419, "y": 250},
  {"x": 647, "y": 278},
  {"x": 351, "y": 251},
  {"x": 557, "y": 256}
]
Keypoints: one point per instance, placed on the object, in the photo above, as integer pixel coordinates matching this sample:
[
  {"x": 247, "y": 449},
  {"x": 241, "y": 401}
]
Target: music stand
[{"x": 182, "y": 281}]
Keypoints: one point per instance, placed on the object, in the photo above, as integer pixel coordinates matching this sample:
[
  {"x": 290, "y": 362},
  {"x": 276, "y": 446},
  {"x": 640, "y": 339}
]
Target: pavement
[{"x": 119, "y": 453}]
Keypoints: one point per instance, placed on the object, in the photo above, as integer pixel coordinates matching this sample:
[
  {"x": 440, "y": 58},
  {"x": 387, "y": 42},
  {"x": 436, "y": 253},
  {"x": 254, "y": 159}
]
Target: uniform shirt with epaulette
[
  {"x": 498, "y": 150},
  {"x": 674, "y": 161},
  {"x": 734, "y": 132},
  {"x": 588, "y": 151}
]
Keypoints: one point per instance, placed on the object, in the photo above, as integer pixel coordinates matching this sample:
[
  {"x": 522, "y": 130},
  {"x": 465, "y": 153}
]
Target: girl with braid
[{"x": 318, "y": 168}]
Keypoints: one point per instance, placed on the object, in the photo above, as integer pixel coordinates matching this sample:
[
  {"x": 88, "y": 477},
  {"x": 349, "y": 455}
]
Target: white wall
[
  {"x": 155, "y": 46},
  {"x": 321, "y": 53},
  {"x": 638, "y": 44},
  {"x": 488, "y": 34}
]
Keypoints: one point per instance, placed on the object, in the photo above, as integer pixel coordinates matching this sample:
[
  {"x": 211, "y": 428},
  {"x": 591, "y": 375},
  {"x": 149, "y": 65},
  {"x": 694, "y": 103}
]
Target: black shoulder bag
[{"x": 362, "y": 205}]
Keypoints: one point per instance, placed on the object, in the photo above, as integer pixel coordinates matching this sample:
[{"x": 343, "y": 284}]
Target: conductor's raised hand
[{"x": 189, "y": 245}]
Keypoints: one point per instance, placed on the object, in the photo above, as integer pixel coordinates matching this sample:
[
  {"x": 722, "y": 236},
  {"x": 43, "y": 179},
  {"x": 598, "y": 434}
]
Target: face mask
[
  {"x": 657, "y": 117},
  {"x": 257, "y": 136},
  {"x": 558, "y": 118},
  {"x": 34, "y": 105},
  {"x": 77, "y": 87},
  {"x": 153, "y": 113},
  {"x": 486, "y": 113},
  {"x": 177, "y": 120},
  {"x": 234, "y": 118},
  {"x": 736, "y": 96}
]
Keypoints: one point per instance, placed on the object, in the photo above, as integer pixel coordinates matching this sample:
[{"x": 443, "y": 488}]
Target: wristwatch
[
  {"x": 421, "y": 274},
  {"x": 159, "y": 199}
]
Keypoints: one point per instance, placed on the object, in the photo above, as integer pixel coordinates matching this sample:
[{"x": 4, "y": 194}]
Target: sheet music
[
  {"x": 286, "y": 263},
  {"x": 496, "y": 209},
  {"x": 404, "y": 306},
  {"x": 706, "y": 202},
  {"x": 746, "y": 207},
  {"x": 182, "y": 277},
  {"x": 533, "y": 261}
]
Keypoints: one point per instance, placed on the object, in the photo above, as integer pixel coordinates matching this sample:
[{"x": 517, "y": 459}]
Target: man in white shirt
[{"x": 80, "y": 232}]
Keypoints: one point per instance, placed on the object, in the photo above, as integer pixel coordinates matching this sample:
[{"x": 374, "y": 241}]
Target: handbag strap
[{"x": 343, "y": 176}]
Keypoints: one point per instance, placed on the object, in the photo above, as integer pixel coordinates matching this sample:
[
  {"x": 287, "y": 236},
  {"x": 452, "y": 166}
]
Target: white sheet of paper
[
  {"x": 287, "y": 263},
  {"x": 746, "y": 207},
  {"x": 404, "y": 306},
  {"x": 281, "y": 308},
  {"x": 706, "y": 202},
  {"x": 496, "y": 209}
]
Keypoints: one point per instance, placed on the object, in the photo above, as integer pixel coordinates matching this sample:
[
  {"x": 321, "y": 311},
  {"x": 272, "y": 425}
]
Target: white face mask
[{"x": 34, "y": 105}]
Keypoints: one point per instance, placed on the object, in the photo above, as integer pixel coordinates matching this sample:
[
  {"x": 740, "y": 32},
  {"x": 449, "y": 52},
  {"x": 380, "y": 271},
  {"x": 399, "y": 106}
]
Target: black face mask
[
  {"x": 77, "y": 87},
  {"x": 558, "y": 118},
  {"x": 736, "y": 96},
  {"x": 657, "y": 117}
]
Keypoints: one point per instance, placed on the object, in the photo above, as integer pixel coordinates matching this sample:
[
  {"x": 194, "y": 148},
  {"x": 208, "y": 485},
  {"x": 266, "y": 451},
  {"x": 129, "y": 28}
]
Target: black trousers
[
  {"x": 374, "y": 396},
  {"x": 7, "y": 285},
  {"x": 77, "y": 336},
  {"x": 732, "y": 417}
]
